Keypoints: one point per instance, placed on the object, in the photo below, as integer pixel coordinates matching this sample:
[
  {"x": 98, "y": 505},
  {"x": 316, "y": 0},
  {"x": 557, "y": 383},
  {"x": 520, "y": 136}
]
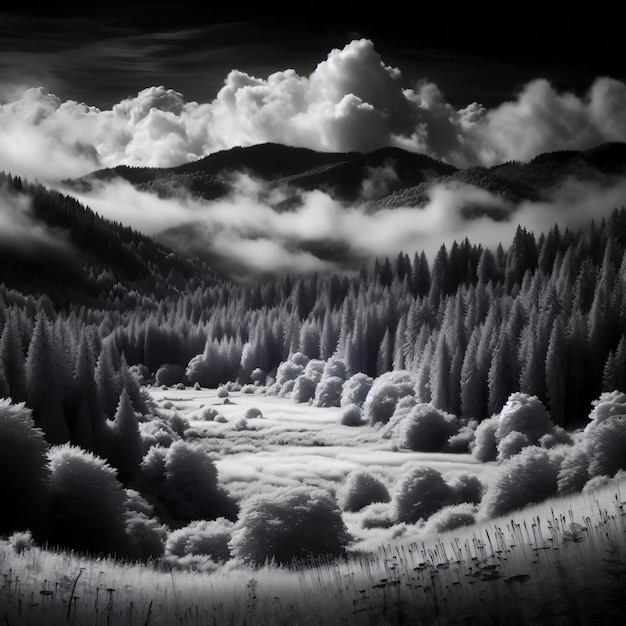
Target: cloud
[
  {"x": 352, "y": 100},
  {"x": 245, "y": 235},
  {"x": 21, "y": 232}
]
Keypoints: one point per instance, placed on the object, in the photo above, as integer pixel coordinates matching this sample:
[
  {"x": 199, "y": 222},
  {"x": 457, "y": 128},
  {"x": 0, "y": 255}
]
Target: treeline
[{"x": 546, "y": 317}]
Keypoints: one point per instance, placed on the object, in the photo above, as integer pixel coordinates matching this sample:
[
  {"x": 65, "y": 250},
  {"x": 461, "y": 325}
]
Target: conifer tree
[{"x": 43, "y": 387}]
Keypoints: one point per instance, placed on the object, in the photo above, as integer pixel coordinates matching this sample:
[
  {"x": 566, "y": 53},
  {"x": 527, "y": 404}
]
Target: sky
[{"x": 160, "y": 84}]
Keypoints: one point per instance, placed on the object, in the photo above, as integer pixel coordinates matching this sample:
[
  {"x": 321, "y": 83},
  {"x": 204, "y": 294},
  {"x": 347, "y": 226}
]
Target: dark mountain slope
[{"x": 82, "y": 257}]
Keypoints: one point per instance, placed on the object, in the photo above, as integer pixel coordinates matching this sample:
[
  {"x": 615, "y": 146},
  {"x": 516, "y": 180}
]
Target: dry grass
[{"x": 561, "y": 562}]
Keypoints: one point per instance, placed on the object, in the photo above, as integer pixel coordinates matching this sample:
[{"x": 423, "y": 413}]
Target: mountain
[
  {"x": 73, "y": 255},
  {"x": 344, "y": 175},
  {"x": 515, "y": 181}
]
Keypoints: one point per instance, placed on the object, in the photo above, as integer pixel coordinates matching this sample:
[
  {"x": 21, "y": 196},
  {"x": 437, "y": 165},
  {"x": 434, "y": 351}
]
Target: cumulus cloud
[{"x": 352, "y": 100}]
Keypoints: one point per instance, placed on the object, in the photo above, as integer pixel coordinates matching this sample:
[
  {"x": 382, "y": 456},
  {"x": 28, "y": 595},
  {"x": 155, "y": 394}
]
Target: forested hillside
[{"x": 546, "y": 317}]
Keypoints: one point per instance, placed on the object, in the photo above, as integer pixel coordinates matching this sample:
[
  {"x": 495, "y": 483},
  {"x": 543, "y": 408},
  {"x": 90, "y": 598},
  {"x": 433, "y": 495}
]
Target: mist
[{"x": 244, "y": 234}]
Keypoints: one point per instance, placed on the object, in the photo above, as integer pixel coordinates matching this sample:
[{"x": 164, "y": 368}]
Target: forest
[{"x": 495, "y": 355}]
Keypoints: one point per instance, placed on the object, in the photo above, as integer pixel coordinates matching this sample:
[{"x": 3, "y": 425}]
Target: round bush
[
  {"x": 314, "y": 370},
  {"x": 288, "y": 370},
  {"x": 258, "y": 376},
  {"x": 427, "y": 429},
  {"x": 385, "y": 394},
  {"x": 484, "y": 446},
  {"x": 467, "y": 488},
  {"x": 184, "y": 478},
  {"x": 287, "y": 389},
  {"x": 335, "y": 368},
  {"x": 222, "y": 392},
  {"x": 147, "y": 535},
  {"x": 361, "y": 489},
  {"x": 24, "y": 472},
  {"x": 303, "y": 389},
  {"x": 355, "y": 389},
  {"x": 420, "y": 493},
  {"x": 169, "y": 375},
  {"x": 450, "y": 518},
  {"x": 328, "y": 391},
  {"x": 609, "y": 404},
  {"x": 253, "y": 413},
  {"x": 351, "y": 415},
  {"x": 209, "y": 413},
  {"x": 524, "y": 414},
  {"x": 299, "y": 358},
  {"x": 513, "y": 443},
  {"x": 209, "y": 538},
  {"x": 574, "y": 470},
  {"x": 298, "y": 523},
  {"x": 526, "y": 478},
  {"x": 87, "y": 503},
  {"x": 607, "y": 441}
]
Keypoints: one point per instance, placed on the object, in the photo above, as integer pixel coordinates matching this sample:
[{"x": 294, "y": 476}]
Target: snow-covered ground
[{"x": 294, "y": 444}]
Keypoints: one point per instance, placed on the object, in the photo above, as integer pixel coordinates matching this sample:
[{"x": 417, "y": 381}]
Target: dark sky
[{"x": 486, "y": 57}]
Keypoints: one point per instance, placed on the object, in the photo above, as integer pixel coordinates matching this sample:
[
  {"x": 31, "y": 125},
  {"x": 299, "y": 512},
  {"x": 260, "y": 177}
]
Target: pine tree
[
  {"x": 12, "y": 361},
  {"x": 125, "y": 446},
  {"x": 43, "y": 387},
  {"x": 556, "y": 373}
]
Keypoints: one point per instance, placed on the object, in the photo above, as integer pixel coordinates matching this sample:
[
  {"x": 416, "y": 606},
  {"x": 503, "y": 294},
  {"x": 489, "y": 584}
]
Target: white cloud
[
  {"x": 351, "y": 101},
  {"x": 250, "y": 236}
]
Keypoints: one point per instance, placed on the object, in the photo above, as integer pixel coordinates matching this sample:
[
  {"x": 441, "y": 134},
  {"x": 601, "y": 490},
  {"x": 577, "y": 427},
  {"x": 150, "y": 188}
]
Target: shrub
[
  {"x": 196, "y": 386},
  {"x": 335, "y": 367},
  {"x": 461, "y": 442},
  {"x": 184, "y": 478},
  {"x": 222, "y": 392},
  {"x": 609, "y": 404},
  {"x": 180, "y": 386},
  {"x": 147, "y": 535},
  {"x": 524, "y": 414},
  {"x": 467, "y": 488},
  {"x": 427, "y": 429},
  {"x": 169, "y": 374},
  {"x": 328, "y": 391},
  {"x": 420, "y": 493},
  {"x": 607, "y": 441},
  {"x": 451, "y": 517},
  {"x": 355, "y": 389},
  {"x": 209, "y": 538},
  {"x": 140, "y": 372},
  {"x": 513, "y": 443},
  {"x": 314, "y": 370},
  {"x": 258, "y": 376},
  {"x": 209, "y": 413},
  {"x": 351, "y": 415},
  {"x": 87, "y": 503},
  {"x": 287, "y": 389},
  {"x": 384, "y": 395},
  {"x": 574, "y": 470},
  {"x": 199, "y": 371},
  {"x": 484, "y": 447},
  {"x": 156, "y": 433},
  {"x": 21, "y": 541},
  {"x": 298, "y": 358},
  {"x": 253, "y": 413},
  {"x": 361, "y": 489},
  {"x": 303, "y": 389},
  {"x": 24, "y": 472},
  {"x": 529, "y": 477},
  {"x": 288, "y": 370},
  {"x": 297, "y": 523}
]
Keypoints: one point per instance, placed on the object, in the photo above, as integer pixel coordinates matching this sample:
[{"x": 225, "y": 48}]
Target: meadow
[{"x": 558, "y": 562}]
